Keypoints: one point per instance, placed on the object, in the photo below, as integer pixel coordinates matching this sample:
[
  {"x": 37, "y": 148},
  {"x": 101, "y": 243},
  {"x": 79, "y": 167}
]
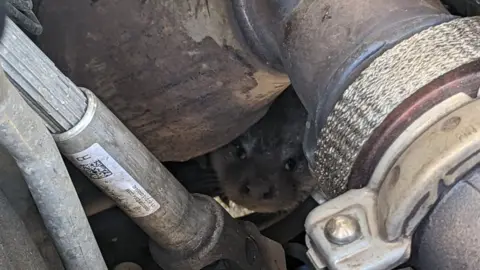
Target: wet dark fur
[{"x": 265, "y": 169}]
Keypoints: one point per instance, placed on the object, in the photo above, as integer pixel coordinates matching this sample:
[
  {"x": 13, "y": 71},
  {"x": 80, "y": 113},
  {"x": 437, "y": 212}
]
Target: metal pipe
[
  {"x": 17, "y": 249},
  {"x": 16, "y": 191},
  {"x": 119, "y": 164},
  {"x": 55, "y": 98},
  {"x": 24, "y": 135}
]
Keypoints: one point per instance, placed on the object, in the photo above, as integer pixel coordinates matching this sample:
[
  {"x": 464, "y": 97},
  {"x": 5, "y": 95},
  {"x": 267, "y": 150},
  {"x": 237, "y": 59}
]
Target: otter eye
[
  {"x": 240, "y": 151},
  {"x": 290, "y": 164}
]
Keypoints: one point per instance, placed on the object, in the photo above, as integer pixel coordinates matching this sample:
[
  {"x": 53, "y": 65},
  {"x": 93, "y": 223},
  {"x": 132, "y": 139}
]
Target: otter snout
[{"x": 258, "y": 189}]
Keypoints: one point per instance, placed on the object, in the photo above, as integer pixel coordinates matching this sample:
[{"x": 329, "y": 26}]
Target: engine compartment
[{"x": 198, "y": 82}]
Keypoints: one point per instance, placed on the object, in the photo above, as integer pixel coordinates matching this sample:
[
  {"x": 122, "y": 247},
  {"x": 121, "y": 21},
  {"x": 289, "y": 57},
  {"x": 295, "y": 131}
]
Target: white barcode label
[{"x": 115, "y": 181}]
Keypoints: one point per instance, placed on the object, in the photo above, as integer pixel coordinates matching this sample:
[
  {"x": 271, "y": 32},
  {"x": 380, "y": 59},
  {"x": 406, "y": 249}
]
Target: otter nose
[{"x": 259, "y": 191}]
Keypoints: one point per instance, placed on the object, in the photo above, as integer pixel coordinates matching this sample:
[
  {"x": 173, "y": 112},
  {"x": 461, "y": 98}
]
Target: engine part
[
  {"x": 17, "y": 250},
  {"x": 26, "y": 138},
  {"x": 342, "y": 230},
  {"x": 237, "y": 244},
  {"x": 443, "y": 153},
  {"x": 436, "y": 150},
  {"x": 367, "y": 250},
  {"x": 175, "y": 72},
  {"x": 324, "y": 45},
  {"x": 18, "y": 195},
  {"x": 39, "y": 81},
  {"x": 349, "y": 127},
  {"x": 447, "y": 239}
]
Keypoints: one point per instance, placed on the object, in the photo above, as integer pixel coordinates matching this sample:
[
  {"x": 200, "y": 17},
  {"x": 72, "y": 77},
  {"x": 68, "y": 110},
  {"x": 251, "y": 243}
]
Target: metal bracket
[
  {"x": 358, "y": 246},
  {"x": 443, "y": 153},
  {"x": 371, "y": 228}
]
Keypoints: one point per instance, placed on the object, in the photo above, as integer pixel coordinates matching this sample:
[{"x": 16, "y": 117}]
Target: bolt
[{"x": 342, "y": 230}]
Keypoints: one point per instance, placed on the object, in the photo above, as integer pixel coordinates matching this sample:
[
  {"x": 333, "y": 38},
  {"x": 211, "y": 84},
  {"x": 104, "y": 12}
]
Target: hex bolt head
[{"x": 342, "y": 230}]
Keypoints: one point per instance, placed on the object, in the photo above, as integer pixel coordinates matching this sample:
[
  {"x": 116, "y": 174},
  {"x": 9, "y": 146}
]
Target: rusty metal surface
[{"x": 172, "y": 71}]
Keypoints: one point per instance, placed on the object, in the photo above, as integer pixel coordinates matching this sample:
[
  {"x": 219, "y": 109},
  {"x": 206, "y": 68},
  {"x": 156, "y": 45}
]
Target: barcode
[
  {"x": 96, "y": 170},
  {"x": 113, "y": 179}
]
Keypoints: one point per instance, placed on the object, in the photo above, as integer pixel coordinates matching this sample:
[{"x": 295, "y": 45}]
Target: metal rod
[
  {"x": 53, "y": 96},
  {"x": 24, "y": 135},
  {"x": 119, "y": 164},
  {"x": 17, "y": 249}
]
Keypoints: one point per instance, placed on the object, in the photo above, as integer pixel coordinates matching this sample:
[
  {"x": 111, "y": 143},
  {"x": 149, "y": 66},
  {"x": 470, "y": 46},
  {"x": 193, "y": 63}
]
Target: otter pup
[{"x": 265, "y": 169}]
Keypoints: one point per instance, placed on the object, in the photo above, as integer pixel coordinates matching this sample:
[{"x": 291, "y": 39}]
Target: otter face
[{"x": 265, "y": 169}]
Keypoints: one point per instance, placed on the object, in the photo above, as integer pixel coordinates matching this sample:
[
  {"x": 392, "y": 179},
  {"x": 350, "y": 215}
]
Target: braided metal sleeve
[{"x": 380, "y": 88}]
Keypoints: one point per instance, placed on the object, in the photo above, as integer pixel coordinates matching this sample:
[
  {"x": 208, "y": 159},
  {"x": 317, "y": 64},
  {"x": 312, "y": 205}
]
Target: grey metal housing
[{"x": 448, "y": 238}]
